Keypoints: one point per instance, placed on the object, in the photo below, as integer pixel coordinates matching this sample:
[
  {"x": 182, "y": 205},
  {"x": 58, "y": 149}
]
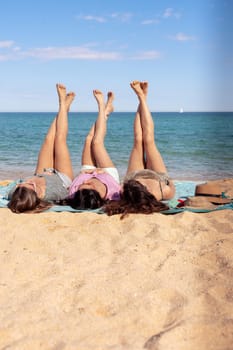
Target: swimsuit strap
[{"x": 160, "y": 186}]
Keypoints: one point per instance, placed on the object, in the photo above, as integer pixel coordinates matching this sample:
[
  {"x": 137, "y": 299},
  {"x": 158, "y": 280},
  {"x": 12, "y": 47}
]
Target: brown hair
[
  {"x": 84, "y": 199},
  {"x": 26, "y": 200},
  {"x": 135, "y": 198}
]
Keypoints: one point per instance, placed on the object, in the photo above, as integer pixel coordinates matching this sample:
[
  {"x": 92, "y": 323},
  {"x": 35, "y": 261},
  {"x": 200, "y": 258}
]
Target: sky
[{"x": 183, "y": 48}]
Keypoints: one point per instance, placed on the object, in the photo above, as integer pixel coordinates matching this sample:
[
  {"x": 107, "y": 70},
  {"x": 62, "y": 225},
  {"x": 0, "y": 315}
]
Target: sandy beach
[{"x": 87, "y": 281}]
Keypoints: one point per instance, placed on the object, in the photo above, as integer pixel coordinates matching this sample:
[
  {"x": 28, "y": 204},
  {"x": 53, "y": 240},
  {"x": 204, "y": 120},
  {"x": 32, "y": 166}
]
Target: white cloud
[
  {"x": 92, "y": 18},
  {"x": 147, "y": 55},
  {"x": 122, "y": 17},
  {"x": 170, "y": 12},
  {"x": 80, "y": 53},
  {"x": 150, "y": 21},
  {"x": 59, "y": 53},
  {"x": 85, "y": 52},
  {"x": 3, "y": 58},
  {"x": 9, "y": 52},
  {"x": 6, "y": 44},
  {"x": 183, "y": 37}
]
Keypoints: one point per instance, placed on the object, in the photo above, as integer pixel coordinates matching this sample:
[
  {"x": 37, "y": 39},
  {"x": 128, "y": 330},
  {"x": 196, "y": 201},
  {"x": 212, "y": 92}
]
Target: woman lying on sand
[
  {"x": 98, "y": 180},
  {"x": 146, "y": 183},
  {"x": 53, "y": 174}
]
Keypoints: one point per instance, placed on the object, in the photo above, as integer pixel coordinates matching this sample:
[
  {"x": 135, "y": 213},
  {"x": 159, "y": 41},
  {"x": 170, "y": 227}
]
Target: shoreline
[{"x": 16, "y": 174}]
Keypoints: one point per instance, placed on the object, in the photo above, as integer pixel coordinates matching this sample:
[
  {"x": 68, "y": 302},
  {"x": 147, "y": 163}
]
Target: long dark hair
[
  {"x": 84, "y": 199},
  {"x": 26, "y": 200},
  {"x": 135, "y": 198}
]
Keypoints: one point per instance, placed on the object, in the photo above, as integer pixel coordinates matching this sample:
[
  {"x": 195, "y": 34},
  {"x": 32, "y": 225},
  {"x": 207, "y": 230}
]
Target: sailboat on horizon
[{"x": 181, "y": 110}]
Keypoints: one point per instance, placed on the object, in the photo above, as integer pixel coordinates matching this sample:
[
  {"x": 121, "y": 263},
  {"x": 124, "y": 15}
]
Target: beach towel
[
  {"x": 184, "y": 190},
  {"x": 204, "y": 197},
  {"x": 177, "y": 210},
  {"x": 7, "y": 185}
]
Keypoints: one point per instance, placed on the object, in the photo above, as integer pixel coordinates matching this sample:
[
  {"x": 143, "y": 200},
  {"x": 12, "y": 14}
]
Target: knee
[
  {"x": 148, "y": 135},
  {"x": 138, "y": 138},
  {"x": 49, "y": 140},
  {"x": 89, "y": 139},
  {"x": 149, "y": 141},
  {"x": 60, "y": 138},
  {"x": 96, "y": 142}
]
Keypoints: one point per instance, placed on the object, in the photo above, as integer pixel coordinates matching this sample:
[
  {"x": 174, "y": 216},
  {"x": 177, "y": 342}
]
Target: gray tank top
[{"x": 55, "y": 188}]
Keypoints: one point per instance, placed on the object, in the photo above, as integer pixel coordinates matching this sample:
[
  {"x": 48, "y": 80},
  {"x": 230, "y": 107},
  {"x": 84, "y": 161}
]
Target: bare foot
[
  {"x": 61, "y": 90},
  {"x": 109, "y": 104},
  {"x": 144, "y": 87},
  {"x": 69, "y": 99},
  {"x": 136, "y": 86},
  {"x": 99, "y": 96}
]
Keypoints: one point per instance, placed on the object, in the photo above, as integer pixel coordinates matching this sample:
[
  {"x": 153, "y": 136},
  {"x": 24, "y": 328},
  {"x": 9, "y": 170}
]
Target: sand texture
[{"x": 87, "y": 281}]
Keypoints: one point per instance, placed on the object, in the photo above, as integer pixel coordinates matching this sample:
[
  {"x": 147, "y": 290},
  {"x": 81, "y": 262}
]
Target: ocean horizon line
[{"x": 155, "y": 111}]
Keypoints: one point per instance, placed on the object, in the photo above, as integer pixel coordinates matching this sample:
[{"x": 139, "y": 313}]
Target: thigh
[
  {"x": 101, "y": 156},
  {"x": 62, "y": 161},
  {"x": 87, "y": 155},
  {"x": 46, "y": 153},
  {"x": 136, "y": 159},
  {"x": 154, "y": 160},
  {"x": 45, "y": 157}
]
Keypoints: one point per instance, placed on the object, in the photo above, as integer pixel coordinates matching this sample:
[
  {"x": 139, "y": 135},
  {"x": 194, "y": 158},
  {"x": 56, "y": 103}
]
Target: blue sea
[{"x": 195, "y": 146}]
